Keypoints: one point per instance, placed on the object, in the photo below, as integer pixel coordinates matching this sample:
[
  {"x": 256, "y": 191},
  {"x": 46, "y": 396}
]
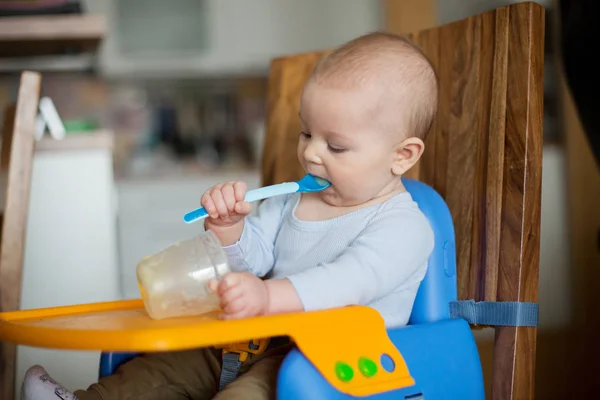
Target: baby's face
[{"x": 343, "y": 141}]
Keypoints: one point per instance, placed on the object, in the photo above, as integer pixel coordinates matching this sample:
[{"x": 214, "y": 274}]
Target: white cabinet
[{"x": 70, "y": 251}]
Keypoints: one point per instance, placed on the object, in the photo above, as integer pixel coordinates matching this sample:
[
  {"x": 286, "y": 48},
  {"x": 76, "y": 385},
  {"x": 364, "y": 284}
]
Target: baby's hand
[
  {"x": 225, "y": 203},
  {"x": 241, "y": 294}
]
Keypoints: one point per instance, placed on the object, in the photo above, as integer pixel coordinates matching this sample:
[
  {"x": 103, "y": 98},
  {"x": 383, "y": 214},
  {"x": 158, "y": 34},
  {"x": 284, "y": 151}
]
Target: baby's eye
[
  {"x": 334, "y": 149},
  {"x": 305, "y": 135}
]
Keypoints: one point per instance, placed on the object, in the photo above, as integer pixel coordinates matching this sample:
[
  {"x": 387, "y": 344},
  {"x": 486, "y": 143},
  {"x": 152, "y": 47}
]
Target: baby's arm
[
  {"x": 247, "y": 240},
  {"x": 391, "y": 252},
  {"x": 254, "y": 251},
  {"x": 244, "y": 295}
]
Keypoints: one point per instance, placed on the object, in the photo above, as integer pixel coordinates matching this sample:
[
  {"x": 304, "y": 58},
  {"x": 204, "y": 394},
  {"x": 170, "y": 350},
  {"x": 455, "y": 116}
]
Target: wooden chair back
[
  {"x": 483, "y": 155},
  {"x": 18, "y": 141}
]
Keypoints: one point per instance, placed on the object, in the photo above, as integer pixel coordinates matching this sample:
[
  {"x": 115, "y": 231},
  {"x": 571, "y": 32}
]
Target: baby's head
[{"x": 365, "y": 111}]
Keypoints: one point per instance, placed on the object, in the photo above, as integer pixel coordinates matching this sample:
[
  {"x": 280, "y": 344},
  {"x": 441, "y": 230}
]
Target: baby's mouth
[
  {"x": 323, "y": 181},
  {"x": 329, "y": 188}
]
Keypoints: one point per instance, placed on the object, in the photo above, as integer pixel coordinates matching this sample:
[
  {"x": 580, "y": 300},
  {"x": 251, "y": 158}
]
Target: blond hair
[{"x": 395, "y": 63}]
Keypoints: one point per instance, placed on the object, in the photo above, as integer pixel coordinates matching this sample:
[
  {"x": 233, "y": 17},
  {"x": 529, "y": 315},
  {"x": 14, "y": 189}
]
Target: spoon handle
[
  {"x": 251, "y": 196},
  {"x": 271, "y": 191}
]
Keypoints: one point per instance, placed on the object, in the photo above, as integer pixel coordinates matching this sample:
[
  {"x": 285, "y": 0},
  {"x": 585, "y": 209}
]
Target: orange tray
[{"x": 325, "y": 337}]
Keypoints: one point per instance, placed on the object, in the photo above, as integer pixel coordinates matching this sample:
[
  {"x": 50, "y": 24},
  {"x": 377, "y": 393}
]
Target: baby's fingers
[
  {"x": 213, "y": 285},
  {"x": 240, "y": 189},
  {"x": 219, "y": 202},
  {"x": 209, "y": 205},
  {"x": 234, "y": 307},
  {"x": 238, "y": 315},
  {"x": 229, "y": 282},
  {"x": 229, "y": 197},
  {"x": 232, "y": 294},
  {"x": 243, "y": 208}
]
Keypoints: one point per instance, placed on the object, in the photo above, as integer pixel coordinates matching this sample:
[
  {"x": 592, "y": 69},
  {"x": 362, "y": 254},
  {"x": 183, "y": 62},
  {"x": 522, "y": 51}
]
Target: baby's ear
[{"x": 407, "y": 153}]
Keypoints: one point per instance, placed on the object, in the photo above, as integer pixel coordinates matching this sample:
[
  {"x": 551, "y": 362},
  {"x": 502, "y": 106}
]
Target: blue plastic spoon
[{"x": 307, "y": 184}]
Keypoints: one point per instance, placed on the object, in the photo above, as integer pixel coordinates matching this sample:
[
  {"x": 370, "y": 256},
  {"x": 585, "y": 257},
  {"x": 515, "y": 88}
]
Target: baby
[{"x": 365, "y": 112}]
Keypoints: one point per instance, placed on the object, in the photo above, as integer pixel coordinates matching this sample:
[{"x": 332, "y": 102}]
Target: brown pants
[{"x": 192, "y": 374}]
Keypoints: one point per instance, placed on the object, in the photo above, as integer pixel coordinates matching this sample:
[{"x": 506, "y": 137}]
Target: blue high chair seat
[{"x": 439, "y": 352}]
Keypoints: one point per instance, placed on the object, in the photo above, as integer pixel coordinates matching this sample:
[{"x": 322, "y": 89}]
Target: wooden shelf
[
  {"x": 48, "y": 63},
  {"x": 50, "y": 34},
  {"x": 101, "y": 139}
]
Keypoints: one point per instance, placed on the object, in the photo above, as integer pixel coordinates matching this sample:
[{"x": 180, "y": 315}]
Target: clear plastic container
[{"x": 174, "y": 282}]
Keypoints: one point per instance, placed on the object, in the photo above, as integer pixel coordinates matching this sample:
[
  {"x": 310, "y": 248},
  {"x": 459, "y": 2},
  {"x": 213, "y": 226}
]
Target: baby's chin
[
  {"x": 329, "y": 194},
  {"x": 336, "y": 199}
]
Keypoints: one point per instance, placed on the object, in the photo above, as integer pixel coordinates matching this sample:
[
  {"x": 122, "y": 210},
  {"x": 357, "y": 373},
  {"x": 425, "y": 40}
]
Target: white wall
[
  {"x": 555, "y": 290},
  {"x": 242, "y": 36}
]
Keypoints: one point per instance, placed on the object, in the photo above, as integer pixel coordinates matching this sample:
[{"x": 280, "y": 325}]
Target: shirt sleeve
[
  {"x": 391, "y": 253},
  {"x": 253, "y": 252}
]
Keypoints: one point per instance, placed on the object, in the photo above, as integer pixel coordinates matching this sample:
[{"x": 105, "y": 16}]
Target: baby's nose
[{"x": 311, "y": 155}]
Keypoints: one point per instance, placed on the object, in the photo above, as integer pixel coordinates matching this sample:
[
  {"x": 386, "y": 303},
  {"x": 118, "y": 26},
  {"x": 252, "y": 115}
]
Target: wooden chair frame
[{"x": 18, "y": 141}]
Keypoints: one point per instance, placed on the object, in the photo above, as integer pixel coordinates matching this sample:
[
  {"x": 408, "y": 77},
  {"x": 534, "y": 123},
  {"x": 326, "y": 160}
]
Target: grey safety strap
[
  {"x": 495, "y": 313},
  {"x": 230, "y": 369}
]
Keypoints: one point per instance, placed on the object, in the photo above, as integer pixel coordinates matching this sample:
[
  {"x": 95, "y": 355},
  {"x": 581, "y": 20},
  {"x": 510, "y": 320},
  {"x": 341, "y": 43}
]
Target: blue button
[
  {"x": 449, "y": 258},
  {"x": 387, "y": 363}
]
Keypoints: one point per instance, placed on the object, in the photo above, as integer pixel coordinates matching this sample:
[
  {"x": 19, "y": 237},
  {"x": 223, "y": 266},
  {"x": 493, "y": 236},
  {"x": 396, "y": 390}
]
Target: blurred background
[{"x": 161, "y": 100}]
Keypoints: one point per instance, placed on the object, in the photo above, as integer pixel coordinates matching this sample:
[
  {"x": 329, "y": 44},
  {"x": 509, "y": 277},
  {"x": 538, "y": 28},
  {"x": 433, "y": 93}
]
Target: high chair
[{"x": 479, "y": 184}]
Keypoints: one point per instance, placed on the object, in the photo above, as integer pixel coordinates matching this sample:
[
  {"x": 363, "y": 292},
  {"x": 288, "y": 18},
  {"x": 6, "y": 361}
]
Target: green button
[
  {"x": 367, "y": 367},
  {"x": 343, "y": 371}
]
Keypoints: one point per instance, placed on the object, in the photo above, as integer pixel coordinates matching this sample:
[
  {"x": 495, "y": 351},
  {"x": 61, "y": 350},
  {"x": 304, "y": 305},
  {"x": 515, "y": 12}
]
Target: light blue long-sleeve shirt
[{"x": 375, "y": 256}]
